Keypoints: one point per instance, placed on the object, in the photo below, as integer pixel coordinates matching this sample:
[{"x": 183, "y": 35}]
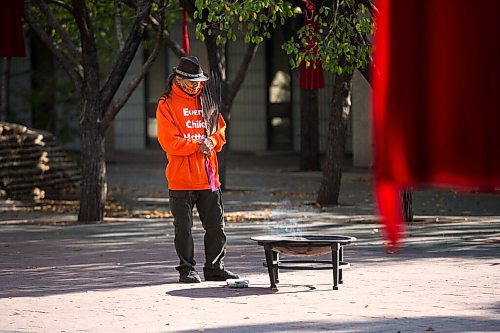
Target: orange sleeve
[
  {"x": 219, "y": 137},
  {"x": 169, "y": 136}
]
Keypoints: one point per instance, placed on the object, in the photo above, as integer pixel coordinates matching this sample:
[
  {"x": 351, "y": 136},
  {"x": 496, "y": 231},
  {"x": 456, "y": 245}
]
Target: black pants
[{"x": 211, "y": 211}]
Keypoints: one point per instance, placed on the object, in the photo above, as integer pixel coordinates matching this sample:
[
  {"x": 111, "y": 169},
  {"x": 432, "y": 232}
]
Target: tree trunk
[
  {"x": 309, "y": 130},
  {"x": 94, "y": 187},
  {"x": 99, "y": 105},
  {"x": 329, "y": 190}
]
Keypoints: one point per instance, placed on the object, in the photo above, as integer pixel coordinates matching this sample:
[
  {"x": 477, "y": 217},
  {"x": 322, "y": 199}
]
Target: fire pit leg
[
  {"x": 341, "y": 260},
  {"x": 270, "y": 265},
  {"x": 335, "y": 265}
]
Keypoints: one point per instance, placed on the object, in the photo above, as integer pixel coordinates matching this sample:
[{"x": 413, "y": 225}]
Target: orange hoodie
[{"x": 180, "y": 127}]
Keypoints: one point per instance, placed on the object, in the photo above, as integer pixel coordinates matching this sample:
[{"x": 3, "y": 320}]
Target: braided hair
[{"x": 170, "y": 81}]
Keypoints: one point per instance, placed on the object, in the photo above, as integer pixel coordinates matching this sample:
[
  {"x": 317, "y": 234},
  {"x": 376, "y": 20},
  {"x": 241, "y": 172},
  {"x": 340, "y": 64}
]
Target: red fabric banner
[
  {"x": 11, "y": 29},
  {"x": 185, "y": 34},
  {"x": 311, "y": 77},
  {"x": 436, "y": 116}
]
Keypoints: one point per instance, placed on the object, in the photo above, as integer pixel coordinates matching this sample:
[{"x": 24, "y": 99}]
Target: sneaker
[
  {"x": 218, "y": 274},
  {"x": 189, "y": 276}
]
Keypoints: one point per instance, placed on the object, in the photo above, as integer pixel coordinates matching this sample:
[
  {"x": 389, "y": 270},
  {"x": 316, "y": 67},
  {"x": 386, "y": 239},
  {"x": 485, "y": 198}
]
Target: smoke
[{"x": 284, "y": 224}]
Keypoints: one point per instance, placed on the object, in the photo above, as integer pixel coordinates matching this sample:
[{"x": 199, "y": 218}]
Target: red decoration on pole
[
  {"x": 311, "y": 77},
  {"x": 185, "y": 34},
  {"x": 435, "y": 114},
  {"x": 11, "y": 29}
]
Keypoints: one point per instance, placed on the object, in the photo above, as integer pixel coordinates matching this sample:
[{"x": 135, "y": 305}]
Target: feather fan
[{"x": 211, "y": 100}]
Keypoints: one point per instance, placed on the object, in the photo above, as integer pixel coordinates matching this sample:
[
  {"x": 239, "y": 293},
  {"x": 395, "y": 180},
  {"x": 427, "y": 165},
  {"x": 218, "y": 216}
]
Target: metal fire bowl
[{"x": 303, "y": 246}]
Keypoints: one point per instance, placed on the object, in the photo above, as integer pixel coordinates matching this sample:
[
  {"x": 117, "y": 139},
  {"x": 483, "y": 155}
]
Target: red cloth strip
[
  {"x": 311, "y": 77},
  {"x": 435, "y": 112},
  {"x": 185, "y": 34},
  {"x": 11, "y": 29}
]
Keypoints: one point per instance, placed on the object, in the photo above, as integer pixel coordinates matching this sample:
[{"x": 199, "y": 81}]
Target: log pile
[{"x": 32, "y": 166}]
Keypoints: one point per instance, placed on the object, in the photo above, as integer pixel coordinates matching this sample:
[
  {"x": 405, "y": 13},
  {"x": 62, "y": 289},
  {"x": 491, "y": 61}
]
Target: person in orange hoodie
[{"x": 182, "y": 135}]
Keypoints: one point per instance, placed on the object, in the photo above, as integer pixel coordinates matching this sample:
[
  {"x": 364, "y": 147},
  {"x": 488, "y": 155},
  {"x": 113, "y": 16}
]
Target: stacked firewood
[{"x": 32, "y": 166}]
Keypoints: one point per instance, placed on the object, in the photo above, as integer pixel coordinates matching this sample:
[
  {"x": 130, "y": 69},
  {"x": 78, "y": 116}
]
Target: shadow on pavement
[
  {"x": 42, "y": 260},
  {"x": 225, "y": 292},
  {"x": 414, "y": 324}
]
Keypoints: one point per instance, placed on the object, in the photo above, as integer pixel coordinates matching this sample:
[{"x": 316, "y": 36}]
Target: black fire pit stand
[{"x": 304, "y": 246}]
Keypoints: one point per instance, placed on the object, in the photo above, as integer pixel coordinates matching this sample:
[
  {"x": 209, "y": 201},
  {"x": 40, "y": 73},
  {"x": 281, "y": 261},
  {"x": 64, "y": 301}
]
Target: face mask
[{"x": 189, "y": 87}]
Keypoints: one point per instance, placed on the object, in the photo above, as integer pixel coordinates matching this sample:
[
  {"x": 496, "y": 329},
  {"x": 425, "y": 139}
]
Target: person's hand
[{"x": 206, "y": 146}]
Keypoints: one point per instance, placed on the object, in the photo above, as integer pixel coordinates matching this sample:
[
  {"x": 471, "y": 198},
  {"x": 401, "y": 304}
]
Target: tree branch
[
  {"x": 167, "y": 38},
  {"x": 90, "y": 61},
  {"x": 113, "y": 110},
  {"x": 125, "y": 57},
  {"x": 66, "y": 39},
  {"x": 62, "y": 5},
  {"x": 370, "y": 5},
  {"x": 169, "y": 41},
  {"x": 173, "y": 45},
  {"x": 118, "y": 24},
  {"x": 234, "y": 87},
  {"x": 131, "y": 3},
  {"x": 59, "y": 54}
]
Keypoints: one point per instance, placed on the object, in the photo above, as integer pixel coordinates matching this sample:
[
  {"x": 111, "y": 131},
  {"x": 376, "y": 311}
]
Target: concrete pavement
[{"x": 119, "y": 276}]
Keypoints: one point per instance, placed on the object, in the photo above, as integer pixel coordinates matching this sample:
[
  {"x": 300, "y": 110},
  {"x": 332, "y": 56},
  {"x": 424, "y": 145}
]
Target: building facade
[{"x": 265, "y": 115}]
